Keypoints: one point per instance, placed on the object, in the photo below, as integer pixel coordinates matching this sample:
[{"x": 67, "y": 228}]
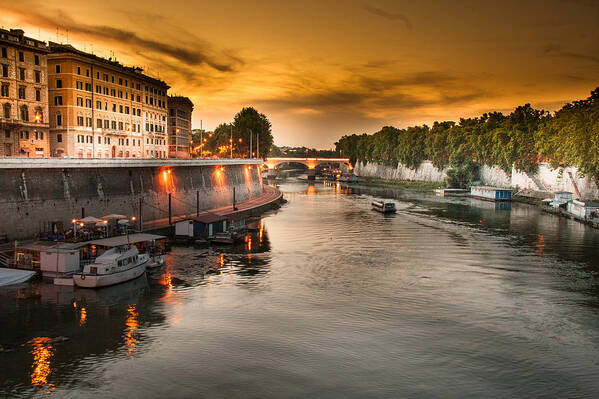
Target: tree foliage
[{"x": 521, "y": 139}]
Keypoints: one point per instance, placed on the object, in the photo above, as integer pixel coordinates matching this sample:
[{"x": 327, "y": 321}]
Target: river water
[{"x": 452, "y": 298}]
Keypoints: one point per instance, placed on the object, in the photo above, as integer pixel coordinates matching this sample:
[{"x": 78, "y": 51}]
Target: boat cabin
[
  {"x": 202, "y": 226},
  {"x": 560, "y": 199},
  {"x": 491, "y": 193},
  {"x": 584, "y": 210}
]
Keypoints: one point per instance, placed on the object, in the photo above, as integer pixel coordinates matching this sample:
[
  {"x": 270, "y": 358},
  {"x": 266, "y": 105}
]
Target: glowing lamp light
[
  {"x": 74, "y": 221},
  {"x": 105, "y": 221},
  {"x": 81, "y": 224},
  {"x": 133, "y": 218}
]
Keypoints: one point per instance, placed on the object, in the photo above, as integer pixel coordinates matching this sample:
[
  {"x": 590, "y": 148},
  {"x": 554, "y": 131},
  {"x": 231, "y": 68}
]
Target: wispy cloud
[
  {"x": 558, "y": 51},
  {"x": 379, "y": 12},
  {"x": 193, "y": 54}
]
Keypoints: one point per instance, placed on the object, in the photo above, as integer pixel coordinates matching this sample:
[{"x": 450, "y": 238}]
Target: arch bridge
[{"x": 311, "y": 163}]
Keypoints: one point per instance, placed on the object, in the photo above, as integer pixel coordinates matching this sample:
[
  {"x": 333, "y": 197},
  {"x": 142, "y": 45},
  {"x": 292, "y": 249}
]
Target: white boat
[
  {"x": 383, "y": 207},
  {"x": 116, "y": 265},
  {"x": 156, "y": 260}
]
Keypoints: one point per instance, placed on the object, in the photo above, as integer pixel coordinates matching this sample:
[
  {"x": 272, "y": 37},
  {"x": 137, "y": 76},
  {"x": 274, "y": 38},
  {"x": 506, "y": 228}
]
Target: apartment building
[
  {"x": 100, "y": 108},
  {"x": 24, "y": 120},
  {"x": 179, "y": 126}
]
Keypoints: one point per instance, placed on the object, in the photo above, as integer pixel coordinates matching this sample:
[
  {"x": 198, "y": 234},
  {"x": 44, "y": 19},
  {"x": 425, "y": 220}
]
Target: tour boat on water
[
  {"x": 383, "y": 207},
  {"x": 116, "y": 265}
]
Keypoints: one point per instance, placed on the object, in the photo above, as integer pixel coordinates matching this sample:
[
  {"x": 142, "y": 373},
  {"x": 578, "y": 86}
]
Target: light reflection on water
[{"x": 447, "y": 298}]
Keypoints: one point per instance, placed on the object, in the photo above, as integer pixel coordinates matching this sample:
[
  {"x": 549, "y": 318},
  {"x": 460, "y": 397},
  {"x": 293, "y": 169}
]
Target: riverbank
[{"x": 418, "y": 186}]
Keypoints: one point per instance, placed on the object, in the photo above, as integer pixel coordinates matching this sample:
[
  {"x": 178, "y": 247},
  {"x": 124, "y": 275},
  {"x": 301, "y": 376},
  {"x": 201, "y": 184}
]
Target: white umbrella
[
  {"x": 123, "y": 221},
  {"x": 89, "y": 219},
  {"x": 100, "y": 224},
  {"x": 114, "y": 216}
]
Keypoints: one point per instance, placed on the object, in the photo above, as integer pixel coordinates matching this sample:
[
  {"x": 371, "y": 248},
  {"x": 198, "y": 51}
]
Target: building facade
[
  {"x": 179, "y": 125},
  {"x": 100, "y": 108},
  {"x": 24, "y": 117}
]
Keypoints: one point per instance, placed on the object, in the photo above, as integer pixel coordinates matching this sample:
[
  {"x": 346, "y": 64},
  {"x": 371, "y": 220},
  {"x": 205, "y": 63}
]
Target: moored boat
[
  {"x": 383, "y": 207},
  {"x": 116, "y": 265}
]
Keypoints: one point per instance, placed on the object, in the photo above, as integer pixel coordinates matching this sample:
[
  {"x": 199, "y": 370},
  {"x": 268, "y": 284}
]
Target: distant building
[
  {"x": 179, "y": 124},
  {"x": 24, "y": 128},
  {"x": 100, "y": 108}
]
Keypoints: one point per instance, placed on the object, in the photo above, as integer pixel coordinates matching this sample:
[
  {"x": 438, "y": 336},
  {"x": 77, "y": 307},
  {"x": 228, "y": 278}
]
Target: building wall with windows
[
  {"x": 100, "y": 108},
  {"x": 179, "y": 126},
  {"x": 24, "y": 117}
]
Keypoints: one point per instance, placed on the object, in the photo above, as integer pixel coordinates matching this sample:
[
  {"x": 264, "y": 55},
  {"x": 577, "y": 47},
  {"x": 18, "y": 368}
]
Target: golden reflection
[
  {"x": 248, "y": 242},
  {"x": 261, "y": 231},
  {"x": 82, "y": 317},
  {"x": 221, "y": 260},
  {"x": 311, "y": 190},
  {"x": 132, "y": 325},
  {"x": 42, "y": 351},
  {"x": 167, "y": 280},
  {"x": 541, "y": 244}
]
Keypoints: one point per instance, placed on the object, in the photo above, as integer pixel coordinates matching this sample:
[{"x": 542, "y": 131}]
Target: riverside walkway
[{"x": 269, "y": 195}]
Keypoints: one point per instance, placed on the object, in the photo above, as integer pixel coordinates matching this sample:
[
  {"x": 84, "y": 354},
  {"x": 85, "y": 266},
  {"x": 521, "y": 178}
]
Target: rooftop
[
  {"x": 56, "y": 48},
  {"x": 17, "y": 37}
]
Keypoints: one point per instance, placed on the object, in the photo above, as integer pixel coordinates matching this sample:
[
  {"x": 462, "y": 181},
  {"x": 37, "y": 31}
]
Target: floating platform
[
  {"x": 451, "y": 192},
  {"x": 491, "y": 193}
]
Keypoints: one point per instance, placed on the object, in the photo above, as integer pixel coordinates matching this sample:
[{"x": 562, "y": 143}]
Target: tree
[{"x": 250, "y": 123}]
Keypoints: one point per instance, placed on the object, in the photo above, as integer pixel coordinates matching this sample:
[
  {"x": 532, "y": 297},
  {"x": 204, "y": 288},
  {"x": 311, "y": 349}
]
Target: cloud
[
  {"x": 193, "y": 53},
  {"x": 388, "y": 15},
  {"x": 557, "y": 51}
]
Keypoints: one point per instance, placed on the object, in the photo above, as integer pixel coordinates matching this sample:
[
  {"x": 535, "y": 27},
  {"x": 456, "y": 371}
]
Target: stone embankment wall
[
  {"x": 546, "y": 179},
  {"x": 33, "y": 200}
]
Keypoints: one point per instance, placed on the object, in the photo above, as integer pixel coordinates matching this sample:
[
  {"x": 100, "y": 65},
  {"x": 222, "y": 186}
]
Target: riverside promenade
[{"x": 269, "y": 196}]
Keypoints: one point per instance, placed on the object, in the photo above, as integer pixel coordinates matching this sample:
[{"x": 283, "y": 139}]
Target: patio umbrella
[
  {"x": 89, "y": 219},
  {"x": 114, "y": 216},
  {"x": 123, "y": 221}
]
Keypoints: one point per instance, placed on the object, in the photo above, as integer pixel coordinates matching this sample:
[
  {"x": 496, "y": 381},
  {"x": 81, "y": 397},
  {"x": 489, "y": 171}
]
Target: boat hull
[
  {"x": 155, "y": 261},
  {"x": 105, "y": 280},
  {"x": 384, "y": 210}
]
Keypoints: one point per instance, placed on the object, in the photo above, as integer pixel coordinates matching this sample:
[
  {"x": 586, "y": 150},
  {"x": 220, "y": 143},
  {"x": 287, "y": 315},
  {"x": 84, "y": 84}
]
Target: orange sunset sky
[{"x": 321, "y": 69}]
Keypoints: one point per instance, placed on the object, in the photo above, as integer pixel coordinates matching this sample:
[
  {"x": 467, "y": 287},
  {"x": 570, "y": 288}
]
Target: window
[
  {"x": 57, "y": 68},
  {"x": 57, "y": 100},
  {"x": 58, "y": 120},
  {"x": 79, "y": 85},
  {"x": 22, "y": 73},
  {"x": 106, "y": 124},
  {"x": 7, "y": 134},
  {"x": 88, "y": 87},
  {"x": 59, "y": 138},
  {"x": 88, "y": 122},
  {"x": 4, "y": 71},
  {"x": 87, "y": 73},
  {"x": 25, "y": 135},
  {"x": 98, "y": 89},
  {"x": 98, "y": 104},
  {"x": 113, "y": 107},
  {"x": 78, "y": 70},
  {"x": 6, "y": 109},
  {"x": 36, "y": 59},
  {"x": 88, "y": 102},
  {"x": 4, "y": 53},
  {"x": 24, "y": 113},
  {"x": 99, "y": 123},
  {"x": 99, "y": 140},
  {"x": 113, "y": 125},
  {"x": 120, "y": 125},
  {"x": 121, "y": 81},
  {"x": 120, "y": 109},
  {"x": 79, "y": 121},
  {"x": 127, "y": 110},
  {"x": 59, "y": 83},
  {"x": 38, "y": 76},
  {"x": 22, "y": 92},
  {"x": 80, "y": 101},
  {"x": 98, "y": 75},
  {"x": 21, "y": 56},
  {"x": 38, "y": 95}
]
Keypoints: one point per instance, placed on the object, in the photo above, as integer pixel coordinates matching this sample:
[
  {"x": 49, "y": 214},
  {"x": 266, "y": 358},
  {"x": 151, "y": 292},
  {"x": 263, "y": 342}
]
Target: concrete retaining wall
[
  {"x": 32, "y": 199},
  {"x": 546, "y": 179}
]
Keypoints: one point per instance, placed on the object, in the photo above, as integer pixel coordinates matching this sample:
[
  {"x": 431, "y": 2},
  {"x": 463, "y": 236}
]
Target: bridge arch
[{"x": 311, "y": 163}]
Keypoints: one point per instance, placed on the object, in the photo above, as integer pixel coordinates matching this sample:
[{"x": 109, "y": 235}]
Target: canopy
[
  {"x": 100, "y": 224},
  {"x": 114, "y": 216},
  {"x": 89, "y": 219},
  {"x": 123, "y": 221}
]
